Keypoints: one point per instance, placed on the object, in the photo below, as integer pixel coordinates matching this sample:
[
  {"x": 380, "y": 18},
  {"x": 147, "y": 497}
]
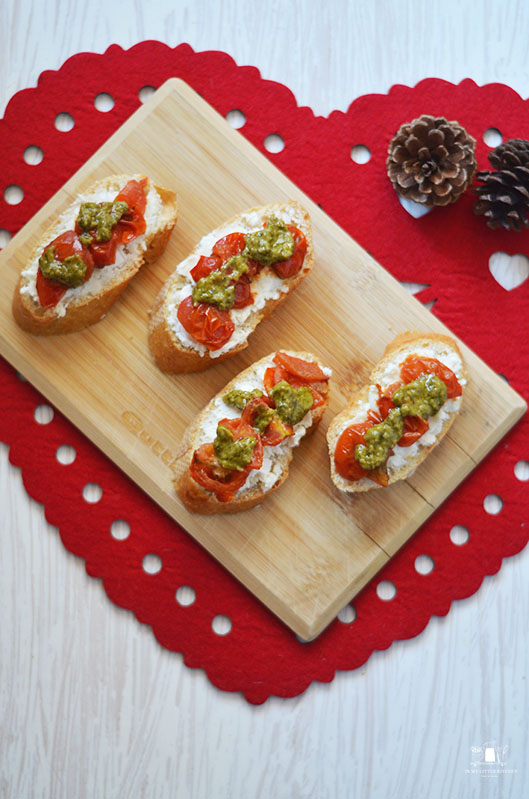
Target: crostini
[
  {"x": 390, "y": 425},
  {"x": 86, "y": 259},
  {"x": 238, "y": 449},
  {"x": 234, "y": 278}
]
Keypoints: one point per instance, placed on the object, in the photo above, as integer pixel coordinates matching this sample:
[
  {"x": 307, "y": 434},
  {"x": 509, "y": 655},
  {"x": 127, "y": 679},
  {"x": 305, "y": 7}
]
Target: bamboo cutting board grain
[{"x": 308, "y": 549}]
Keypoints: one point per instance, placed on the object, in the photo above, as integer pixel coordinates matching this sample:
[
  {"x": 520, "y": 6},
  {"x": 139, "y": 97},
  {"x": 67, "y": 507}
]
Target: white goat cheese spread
[
  {"x": 124, "y": 253},
  {"x": 265, "y": 286}
]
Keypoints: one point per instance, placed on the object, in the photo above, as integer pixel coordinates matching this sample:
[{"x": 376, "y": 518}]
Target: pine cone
[
  {"x": 431, "y": 160},
  {"x": 503, "y": 199}
]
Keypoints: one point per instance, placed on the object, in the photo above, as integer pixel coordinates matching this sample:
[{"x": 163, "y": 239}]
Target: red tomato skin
[
  {"x": 291, "y": 266},
  {"x": 243, "y": 293},
  {"x": 50, "y": 292},
  {"x": 414, "y": 366},
  {"x": 206, "y": 264},
  {"x": 206, "y": 323},
  {"x": 306, "y": 370},
  {"x": 207, "y": 472},
  {"x": 228, "y": 246}
]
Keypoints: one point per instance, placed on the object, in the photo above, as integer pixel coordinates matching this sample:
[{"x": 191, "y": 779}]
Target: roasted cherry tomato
[
  {"x": 205, "y": 266},
  {"x": 228, "y": 246},
  {"x": 132, "y": 224},
  {"x": 206, "y": 323},
  {"x": 239, "y": 428},
  {"x": 273, "y": 375},
  {"x": 292, "y": 265},
  {"x": 414, "y": 366},
  {"x": 254, "y": 267},
  {"x": 104, "y": 252},
  {"x": 243, "y": 293},
  {"x": 305, "y": 370},
  {"x": 414, "y": 428},
  {"x": 344, "y": 455},
  {"x": 208, "y": 473},
  {"x": 276, "y": 431},
  {"x": 51, "y": 291}
]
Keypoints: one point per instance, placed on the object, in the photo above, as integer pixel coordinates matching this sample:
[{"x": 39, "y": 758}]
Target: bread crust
[
  {"x": 402, "y": 345},
  {"x": 88, "y": 310},
  {"x": 200, "y": 500},
  {"x": 170, "y": 353}
]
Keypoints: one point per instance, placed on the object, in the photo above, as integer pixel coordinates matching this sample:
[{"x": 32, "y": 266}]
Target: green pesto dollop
[
  {"x": 379, "y": 440},
  {"x": 70, "y": 272},
  {"x": 239, "y": 399},
  {"x": 291, "y": 403},
  {"x": 263, "y": 417},
  {"x": 217, "y": 288},
  {"x": 272, "y": 243},
  {"x": 101, "y": 217},
  {"x": 233, "y": 454},
  {"x": 422, "y": 397}
]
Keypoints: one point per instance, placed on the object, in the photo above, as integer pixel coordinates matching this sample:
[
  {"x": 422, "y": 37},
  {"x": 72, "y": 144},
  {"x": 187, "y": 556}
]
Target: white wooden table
[{"x": 90, "y": 705}]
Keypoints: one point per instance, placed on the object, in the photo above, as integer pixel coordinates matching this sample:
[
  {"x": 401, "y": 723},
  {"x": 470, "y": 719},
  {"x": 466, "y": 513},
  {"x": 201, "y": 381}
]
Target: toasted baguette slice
[
  {"x": 276, "y": 460},
  {"x": 88, "y": 303},
  {"x": 387, "y": 371},
  {"x": 172, "y": 347}
]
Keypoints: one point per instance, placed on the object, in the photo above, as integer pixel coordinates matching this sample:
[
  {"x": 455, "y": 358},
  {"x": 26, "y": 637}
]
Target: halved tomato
[
  {"x": 291, "y": 266},
  {"x": 51, "y": 291},
  {"x": 208, "y": 473},
  {"x": 414, "y": 366},
  {"x": 206, "y": 323}
]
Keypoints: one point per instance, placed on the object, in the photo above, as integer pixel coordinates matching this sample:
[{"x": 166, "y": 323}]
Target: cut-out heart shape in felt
[
  {"x": 447, "y": 251},
  {"x": 510, "y": 271}
]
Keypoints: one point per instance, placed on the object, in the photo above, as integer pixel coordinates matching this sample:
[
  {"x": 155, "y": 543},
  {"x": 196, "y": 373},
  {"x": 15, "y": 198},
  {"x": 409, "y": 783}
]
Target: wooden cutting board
[{"x": 309, "y": 548}]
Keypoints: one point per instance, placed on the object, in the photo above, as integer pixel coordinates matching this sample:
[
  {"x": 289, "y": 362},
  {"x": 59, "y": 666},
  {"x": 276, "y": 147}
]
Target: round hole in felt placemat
[
  {"x": 145, "y": 93},
  {"x": 521, "y": 470},
  {"x": 459, "y": 535},
  {"x": 492, "y": 137},
  {"x": 236, "y": 118},
  {"x": 5, "y": 237},
  {"x": 152, "y": 563},
  {"x": 274, "y": 143},
  {"x": 424, "y": 564},
  {"x": 92, "y": 493},
  {"x": 185, "y": 595},
  {"x": 347, "y": 614},
  {"x": 493, "y": 504},
  {"x": 386, "y": 590},
  {"x": 13, "y": 195},
  {"x": 33, "y": 155},
  {"x": 120, "y": 529},
  {"x": 104, "y": 102},
  {"x": 66, "y": 454},
  {"x": 43, "y": 414},
  {"x": 360, "y": 154},
  {"x": 64, "y": 122},
  {"x": 221, "y": 625}
]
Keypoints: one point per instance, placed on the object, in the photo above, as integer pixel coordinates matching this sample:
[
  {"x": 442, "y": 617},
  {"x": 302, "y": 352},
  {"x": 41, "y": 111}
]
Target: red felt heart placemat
[{"x": 447, "y": 251}]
